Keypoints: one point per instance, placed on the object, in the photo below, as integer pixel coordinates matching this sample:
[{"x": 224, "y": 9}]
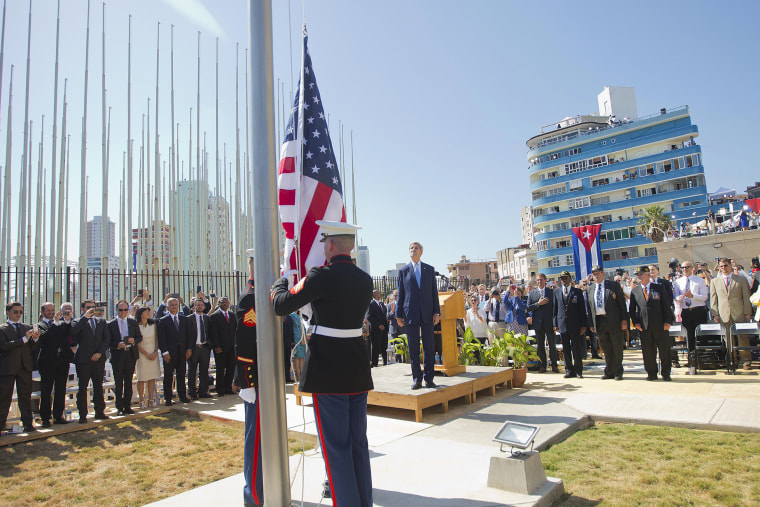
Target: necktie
[
  {"x": 599, "y": 296},
  {"x": 417, "y": 275},
  {"x": 92, "y": 325},
  {"x": 564, "y": 292},
  {"x": 203, "y": 330},
  {"x": 646, "y": 292},
  {"x": 728, "y": 281},
  {"x": 226, "y": 316},
  {"x": 176, "y": 323},
  {"x": 687, "y": 300}
]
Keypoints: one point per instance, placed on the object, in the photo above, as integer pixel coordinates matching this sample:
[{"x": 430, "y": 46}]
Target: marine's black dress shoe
[
  {"x": 652, "y": 377},
  {"x": 570, "y": 375},
  {"x": 431, "y": 384},
  {"x": 666, "y": 379},
  {"x": 416, "y": 385},
  {"x": 607, "y": 377}
]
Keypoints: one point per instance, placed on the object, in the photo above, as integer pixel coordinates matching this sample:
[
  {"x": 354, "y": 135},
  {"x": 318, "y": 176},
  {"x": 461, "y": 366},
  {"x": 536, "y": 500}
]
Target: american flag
[{"x": 308, "y": 180}]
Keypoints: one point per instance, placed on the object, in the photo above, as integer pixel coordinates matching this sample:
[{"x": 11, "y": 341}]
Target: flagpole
[
  {"x": 271, "y": 371},
  {"x": 104, "y": 157},
  {"x": 21, "y": 256},
  {"x": 5, "y": 240},
  {"x": 62, "y": 177},
  {"x": 83, "y": 173},
  {"x": 215, "y": 244},
  {"x": 238, "y": 216},
  {"x": 173, "y": 224},
  {"x": 130, "y": 146},
  {"x": 53, "y": 229},
  {"x": 157, "y": 253}
]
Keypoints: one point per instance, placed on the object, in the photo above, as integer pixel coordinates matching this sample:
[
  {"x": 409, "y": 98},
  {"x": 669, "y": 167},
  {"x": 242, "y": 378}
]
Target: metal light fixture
[{"x": 516, "y": 435}]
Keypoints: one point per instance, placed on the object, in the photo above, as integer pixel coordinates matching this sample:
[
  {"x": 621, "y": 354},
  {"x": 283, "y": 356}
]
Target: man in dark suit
[
  {"x": 570, "y": 323},
  {"x": 53, "y": 361},
  {"x": 91, "y": 335},
  {"x": 199, "y": 346},
  {"x": 125, "y": 335},
  {"x": 222, "y": 325},
  {"x": 651, "y": 313},
  {"x": 390, "y": 313},
  {"x": 176, "y": 345},
  {"x": 378, "y": 327},
  {"x": 608, "y": 318},
  {"x": 541, "y": 314},
  {"x": 418, "y": 309},
  {"x": 17, "y": 340}
]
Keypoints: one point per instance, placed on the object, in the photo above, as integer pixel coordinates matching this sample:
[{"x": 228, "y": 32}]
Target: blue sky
[{"x": 440, "y": 95}]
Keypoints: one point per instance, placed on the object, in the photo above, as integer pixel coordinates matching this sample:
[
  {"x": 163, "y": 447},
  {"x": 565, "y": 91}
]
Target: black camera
[
  {"x": 673, "y": 264},
  {"x": 620, "y": 271}
]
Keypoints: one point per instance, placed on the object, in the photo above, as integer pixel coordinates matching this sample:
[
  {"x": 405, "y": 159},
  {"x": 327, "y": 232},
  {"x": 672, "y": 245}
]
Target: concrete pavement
[{"x": 444, "y": 459}]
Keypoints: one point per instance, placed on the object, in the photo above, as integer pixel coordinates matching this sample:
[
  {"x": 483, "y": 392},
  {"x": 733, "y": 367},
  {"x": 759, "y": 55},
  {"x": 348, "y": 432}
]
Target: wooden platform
[{"x": 393, "y": 387}]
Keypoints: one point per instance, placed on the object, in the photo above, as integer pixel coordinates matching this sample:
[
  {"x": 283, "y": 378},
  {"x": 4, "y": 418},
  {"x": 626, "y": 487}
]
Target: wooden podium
[{"x": 452, "y": 308}]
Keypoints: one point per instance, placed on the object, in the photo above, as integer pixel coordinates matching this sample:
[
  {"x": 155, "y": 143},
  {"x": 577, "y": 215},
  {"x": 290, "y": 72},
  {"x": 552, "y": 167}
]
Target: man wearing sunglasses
[
  {"x": 125, "y": 335},
  {"x": 91, "y": 335},
  {"x": 17, "y": 340}
]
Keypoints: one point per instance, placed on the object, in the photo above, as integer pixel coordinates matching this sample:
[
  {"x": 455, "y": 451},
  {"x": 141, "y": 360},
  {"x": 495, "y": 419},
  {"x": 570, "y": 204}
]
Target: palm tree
[{"x": 654, "y": 223}]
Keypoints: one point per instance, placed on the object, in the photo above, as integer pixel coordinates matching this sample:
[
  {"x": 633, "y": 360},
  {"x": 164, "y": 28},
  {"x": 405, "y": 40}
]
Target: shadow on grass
[
  {"x": 569, "y": 499},
  {"x": 59, "y": 447}
]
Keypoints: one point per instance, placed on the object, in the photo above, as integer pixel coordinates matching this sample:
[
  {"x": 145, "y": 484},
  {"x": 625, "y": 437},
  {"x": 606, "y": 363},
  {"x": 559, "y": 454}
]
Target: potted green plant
[
  {"x": 521, "y": 352},
  {"x": 401, "y": 347},
  {"x": 497, "y": 354},
  {"x": 471, "y": 348}
]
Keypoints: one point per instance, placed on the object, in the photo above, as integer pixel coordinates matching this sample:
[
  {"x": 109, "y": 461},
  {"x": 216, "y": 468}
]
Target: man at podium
[{"x": 419, "y": 311}]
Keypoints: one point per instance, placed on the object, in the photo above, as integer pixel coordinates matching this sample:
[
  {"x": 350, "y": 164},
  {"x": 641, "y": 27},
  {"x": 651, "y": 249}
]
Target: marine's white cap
[{"x": 330, "y": 229}]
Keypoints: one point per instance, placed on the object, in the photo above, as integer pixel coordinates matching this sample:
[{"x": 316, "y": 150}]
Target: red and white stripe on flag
[{"x": 586, "y": 250}]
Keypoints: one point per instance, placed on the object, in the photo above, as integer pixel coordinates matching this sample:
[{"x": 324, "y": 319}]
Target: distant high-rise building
[
  {"x": 362, "y": 258},
  {"x": 95, "y": 238},
  {"x": 526, "y": 225},
  {"x": 154, "y": 252}
]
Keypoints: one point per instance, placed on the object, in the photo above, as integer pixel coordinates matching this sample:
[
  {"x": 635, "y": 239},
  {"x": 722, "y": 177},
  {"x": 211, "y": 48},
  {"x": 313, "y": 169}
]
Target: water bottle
[
  {"x": 437, "y": 358},
  {"x": 68, "y": 414}
]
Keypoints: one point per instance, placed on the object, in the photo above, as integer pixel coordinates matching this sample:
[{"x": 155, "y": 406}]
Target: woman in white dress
[{"x": 147, "y": 368}]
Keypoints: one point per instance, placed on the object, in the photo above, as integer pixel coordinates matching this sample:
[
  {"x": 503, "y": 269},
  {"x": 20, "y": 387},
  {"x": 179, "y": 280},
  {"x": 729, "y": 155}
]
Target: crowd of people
[
  {"x": 598, "y": 315},
  {"x": 141, "y": 342}
]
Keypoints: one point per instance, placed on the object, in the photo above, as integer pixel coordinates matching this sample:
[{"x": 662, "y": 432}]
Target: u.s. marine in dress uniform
[
  {"x": 336, "y": 370},
  {"x": 246, "y": 377}
]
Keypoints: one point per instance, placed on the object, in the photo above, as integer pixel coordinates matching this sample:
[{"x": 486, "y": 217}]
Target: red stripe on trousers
[{"x": 324, "y": 449}]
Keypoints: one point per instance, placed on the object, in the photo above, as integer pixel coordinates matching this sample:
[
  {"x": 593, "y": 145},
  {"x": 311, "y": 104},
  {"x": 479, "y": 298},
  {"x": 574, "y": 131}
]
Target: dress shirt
[
  {"x": 199, "y": 328},
  {"x": 599, "y": 298},
  {"x": 123, "y": 328},
  {"x": 417, "y": 270},
  {"x": 697, "y": 287}
]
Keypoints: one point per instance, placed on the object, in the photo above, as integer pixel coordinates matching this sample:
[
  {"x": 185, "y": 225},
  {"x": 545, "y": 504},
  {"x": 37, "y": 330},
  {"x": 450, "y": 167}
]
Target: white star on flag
[{"x": 586, "y": 235}]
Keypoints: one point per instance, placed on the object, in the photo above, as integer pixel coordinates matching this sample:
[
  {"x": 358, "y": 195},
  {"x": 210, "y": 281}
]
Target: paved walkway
[{"x": 444, "y": 459}]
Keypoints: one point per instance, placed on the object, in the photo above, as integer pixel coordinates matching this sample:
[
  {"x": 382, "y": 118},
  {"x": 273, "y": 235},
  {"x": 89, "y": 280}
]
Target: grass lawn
[
  {"x": 628, "y": 464},
  {"x": 130, "y": 463}
]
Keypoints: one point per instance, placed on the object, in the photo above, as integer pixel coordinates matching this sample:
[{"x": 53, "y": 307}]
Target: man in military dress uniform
[
  {"x": 652, "y": 314},
  {"x": 336, "y": 370},
  {"x": 246, "y": 378}
]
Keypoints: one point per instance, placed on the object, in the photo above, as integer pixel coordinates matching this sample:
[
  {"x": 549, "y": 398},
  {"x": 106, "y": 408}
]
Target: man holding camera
[
  {"x": 17, "y": 340},
  {"x": 91, "y": 335},
  {"x": 55, "y": 355}
]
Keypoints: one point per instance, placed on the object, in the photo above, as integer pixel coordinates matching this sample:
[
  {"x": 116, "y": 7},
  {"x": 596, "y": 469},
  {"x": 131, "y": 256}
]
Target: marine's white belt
[{"x": 337, "y": 333}]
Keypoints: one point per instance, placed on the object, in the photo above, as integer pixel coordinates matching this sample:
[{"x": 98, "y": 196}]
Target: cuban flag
[{"x": 586, "y": 250}]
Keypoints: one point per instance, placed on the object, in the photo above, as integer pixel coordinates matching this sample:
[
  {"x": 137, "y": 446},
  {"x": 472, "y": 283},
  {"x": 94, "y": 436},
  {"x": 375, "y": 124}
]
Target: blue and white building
[{"x": 606, "y": 168}]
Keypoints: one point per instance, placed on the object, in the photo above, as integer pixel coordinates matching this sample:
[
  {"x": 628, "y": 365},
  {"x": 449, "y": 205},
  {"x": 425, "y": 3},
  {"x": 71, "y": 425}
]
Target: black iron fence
[
  {"x": 33, "y": 287},
  {"x": 387, "y": 284}
]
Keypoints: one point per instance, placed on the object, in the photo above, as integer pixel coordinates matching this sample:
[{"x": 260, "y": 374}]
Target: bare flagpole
[
  {"x": 130, "y": 144},
  {"x": 52, "y": 227},
  {"x": 271, "y": 389},
  {"x": 83, "y": 174},
  {"x": 238, "y": 258},
  {"x": 21, "y": 256},
  {"x": 173, "y": 163},
  {"x": 215, "y": 244},
  {"x": 5, "y": 240},
  {"x": 157, "y": 253},
  {"x": 104, "y": 158},
  {"x": 62, "y": 177}
]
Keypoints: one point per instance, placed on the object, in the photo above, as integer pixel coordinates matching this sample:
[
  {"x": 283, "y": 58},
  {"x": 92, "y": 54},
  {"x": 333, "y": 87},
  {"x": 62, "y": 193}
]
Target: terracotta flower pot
[{"x": 519, "y": 376}]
